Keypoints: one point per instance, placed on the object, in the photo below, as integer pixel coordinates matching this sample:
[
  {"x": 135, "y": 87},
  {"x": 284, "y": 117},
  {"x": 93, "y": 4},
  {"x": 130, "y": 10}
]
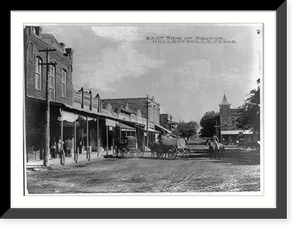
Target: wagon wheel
[
  {"x": 140, "y": 152},
  {"x": 172, "y": 153},
  {"x": 160, "y": 154},
  {"x": 119, "y": 152},
  {"x": 132, "y": 153},
  {"x": 125, "y": 152},
  {"x": 153, "y": 154},
  {"x": 185, "y": 153}
]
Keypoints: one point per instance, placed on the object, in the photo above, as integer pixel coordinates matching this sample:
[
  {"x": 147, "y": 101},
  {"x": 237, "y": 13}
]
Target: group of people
[{"x": 66, "y": 146}]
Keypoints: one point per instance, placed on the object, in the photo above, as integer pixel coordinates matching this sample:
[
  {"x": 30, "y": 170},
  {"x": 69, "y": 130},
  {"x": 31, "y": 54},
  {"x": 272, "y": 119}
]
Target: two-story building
[
  {"x": 78, "y": 119},
  {"x": 229, "y": 132},
  {"x": 147, "y": 109},
  {"x": 166, "y": 120},
  {"x": 60, "y": 83}
]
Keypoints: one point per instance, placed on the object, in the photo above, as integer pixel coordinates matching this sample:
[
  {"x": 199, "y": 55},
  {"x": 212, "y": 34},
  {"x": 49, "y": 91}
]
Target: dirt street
[{"x": 238, "y": 172}]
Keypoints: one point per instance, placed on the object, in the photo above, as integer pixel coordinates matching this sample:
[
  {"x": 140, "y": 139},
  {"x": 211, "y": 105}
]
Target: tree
[
  {"x": 250, "y": 119},
  {"x": 208, "y": 123},
  {"x": 186, "y": 129}
]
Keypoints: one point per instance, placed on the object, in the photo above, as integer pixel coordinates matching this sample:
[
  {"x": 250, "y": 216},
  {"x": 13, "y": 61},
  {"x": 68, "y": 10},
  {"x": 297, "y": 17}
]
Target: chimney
[
  {"x": 37, "y": 30},
  {"x": 63, "y": 46},
  {"x": 69, "y": 52}
]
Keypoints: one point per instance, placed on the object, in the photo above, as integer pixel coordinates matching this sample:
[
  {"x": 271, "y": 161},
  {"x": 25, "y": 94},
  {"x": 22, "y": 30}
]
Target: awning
[
  {"x": 163, "y": 129},
  {"x": 84, "y": 118},
  {"x": 67, "y": 116},
  {"x": 125, "y": 127},
  {"x": 236, "y": 132},
  {"x": 153, "y": 131}
]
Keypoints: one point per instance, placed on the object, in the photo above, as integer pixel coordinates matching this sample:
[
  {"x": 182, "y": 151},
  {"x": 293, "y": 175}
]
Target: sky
[{"x": 186, "y": 67}]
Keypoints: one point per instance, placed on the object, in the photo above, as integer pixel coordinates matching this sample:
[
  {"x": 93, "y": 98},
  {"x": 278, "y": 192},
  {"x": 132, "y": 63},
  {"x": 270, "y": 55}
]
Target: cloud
[
  {"x": 119, "y": 33},
  {"x": 195, "y": 74},
  {"x": 129, "y": 33},
  {"x": 112, "y": 65}
]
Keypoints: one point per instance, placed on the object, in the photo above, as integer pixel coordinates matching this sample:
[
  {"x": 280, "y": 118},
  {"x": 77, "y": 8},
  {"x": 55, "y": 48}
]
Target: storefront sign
[{"x": 109, "y": 122}]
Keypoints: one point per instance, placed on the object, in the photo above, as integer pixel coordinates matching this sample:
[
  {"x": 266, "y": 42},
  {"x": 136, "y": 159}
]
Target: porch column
[
  {"x": 98, "y": 142},
  {"x": 87, "y": 139},
  {"x": 62, "y": 153},
  {"x": 74, "y": 145},
  {"x": 106, "y": 140}
]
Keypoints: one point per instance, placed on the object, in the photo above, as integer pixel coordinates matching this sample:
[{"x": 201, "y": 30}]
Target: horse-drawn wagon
[
  {"x": 126, "y": 147},
  {"x": 170, "y": 147}
]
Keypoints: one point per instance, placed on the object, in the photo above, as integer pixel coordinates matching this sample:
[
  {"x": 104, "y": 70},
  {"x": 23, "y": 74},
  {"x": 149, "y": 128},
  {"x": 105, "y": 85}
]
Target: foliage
[
  {"x": 208, "y": 123},
  {"x": 250, "y": 118},
  {"x": 186, "y": 129}
]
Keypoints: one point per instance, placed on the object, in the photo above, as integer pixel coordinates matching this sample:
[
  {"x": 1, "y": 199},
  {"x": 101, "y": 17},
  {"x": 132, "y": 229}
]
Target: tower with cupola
[{"x": 225, "y": 116}]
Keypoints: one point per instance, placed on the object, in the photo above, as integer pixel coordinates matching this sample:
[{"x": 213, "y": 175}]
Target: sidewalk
[{"x": 68, "y": 160}]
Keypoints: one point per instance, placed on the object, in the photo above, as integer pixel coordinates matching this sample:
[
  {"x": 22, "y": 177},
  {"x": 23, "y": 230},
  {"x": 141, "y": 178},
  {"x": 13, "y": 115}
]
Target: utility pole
[
  {"x": 147, "y": 110},
  {"x": 47, "y": 136}
]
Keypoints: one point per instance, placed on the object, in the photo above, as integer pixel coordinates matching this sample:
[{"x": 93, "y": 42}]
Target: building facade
[
  {"x": 229, "y": 132},
  {"x": 35, "y": 76},
  {"x": 60, "y": 75},
  {"x": 166, "y": 120},
  {"x": 146, "y": 111},
  {"x": 79, "y": 119}
]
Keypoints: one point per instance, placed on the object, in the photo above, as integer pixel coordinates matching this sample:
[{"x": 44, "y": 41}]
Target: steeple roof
[{"x": 225, "y": 102}]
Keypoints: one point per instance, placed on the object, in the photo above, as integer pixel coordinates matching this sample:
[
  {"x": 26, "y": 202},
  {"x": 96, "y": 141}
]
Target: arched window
[
  {"x": 38, "y": 73},
  {"x": 64, "y": 83}
]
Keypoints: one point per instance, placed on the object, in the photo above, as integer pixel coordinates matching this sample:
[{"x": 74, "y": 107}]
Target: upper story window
[
  {"x": 52, "y": 82},
  {"x": 38, "y": 73},
  {"x": 30, "y": 50},
  {"x": 63, "y": 83}
]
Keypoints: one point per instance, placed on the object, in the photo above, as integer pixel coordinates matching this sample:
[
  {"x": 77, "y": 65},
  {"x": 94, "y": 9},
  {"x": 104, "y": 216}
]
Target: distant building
[
  {"x": 166, "y": 120},
  {"x": 140, "y": 107},
  {"x": 229, "y": 132}
]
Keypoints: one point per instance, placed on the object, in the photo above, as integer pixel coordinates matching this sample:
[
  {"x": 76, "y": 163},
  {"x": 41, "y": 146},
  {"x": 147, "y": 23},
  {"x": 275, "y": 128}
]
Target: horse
[
  {"x": 211, "y": 148},
  {"x": 221, "y": 150},
  {"x": 215, "y": 148}
]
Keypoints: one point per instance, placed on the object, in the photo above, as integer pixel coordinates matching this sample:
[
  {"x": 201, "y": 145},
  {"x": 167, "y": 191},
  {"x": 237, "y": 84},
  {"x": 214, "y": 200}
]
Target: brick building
[
  {"x": 147, "y": 109},
  {"x": 60, "y": 76},
  {"x": 166, "y": 120},
  {"x": 76, "y": 117},
  {"x": 60, "y": 84},
  {"x": 229, "y": 132}
]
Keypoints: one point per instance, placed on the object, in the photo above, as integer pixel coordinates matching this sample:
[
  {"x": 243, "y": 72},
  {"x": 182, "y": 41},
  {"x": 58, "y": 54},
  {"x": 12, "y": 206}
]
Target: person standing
[{"x": 80, "y": 146}]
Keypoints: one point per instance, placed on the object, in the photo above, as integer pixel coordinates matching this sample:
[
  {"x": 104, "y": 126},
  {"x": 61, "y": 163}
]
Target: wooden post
[
  {"x": 76, "y": 154},
  {"x": 62, "y": 154},
  {"x": 87, "y": 137},
  {"x": 107, "y": 140},
  {"x": 98, "y": 136},
  {"x": 113, "y": 140},
  {"x": 74, "y": 145}
]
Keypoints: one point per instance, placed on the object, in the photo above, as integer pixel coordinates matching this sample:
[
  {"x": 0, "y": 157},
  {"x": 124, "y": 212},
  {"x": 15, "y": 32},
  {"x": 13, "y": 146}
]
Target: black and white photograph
[{"x": 143, "y": 108}]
